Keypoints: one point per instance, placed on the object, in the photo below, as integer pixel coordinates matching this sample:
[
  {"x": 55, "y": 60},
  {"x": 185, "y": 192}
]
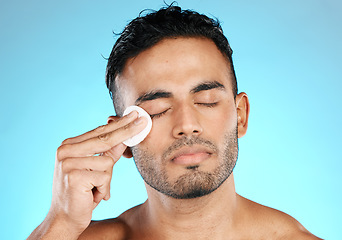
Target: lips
[{"x": 191, "y": 155}]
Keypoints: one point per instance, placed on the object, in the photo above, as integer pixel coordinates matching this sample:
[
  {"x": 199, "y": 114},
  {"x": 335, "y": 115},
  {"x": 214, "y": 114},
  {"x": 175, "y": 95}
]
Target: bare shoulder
[
  {"x": 274, "y": 224},
  {"x": 119, "y": 228},
  {"x": 113, "y": 229}
]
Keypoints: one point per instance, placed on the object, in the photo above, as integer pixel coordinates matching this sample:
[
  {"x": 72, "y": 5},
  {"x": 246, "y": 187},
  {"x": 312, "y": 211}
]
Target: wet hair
[{"x": 147, "y": 30}]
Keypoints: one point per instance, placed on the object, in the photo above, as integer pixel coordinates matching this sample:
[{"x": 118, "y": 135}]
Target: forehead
[{"x": 174, "y": 65}]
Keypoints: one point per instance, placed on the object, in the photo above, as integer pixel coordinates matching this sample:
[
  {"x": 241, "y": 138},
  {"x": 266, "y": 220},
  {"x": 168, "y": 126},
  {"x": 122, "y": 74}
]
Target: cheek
[
  {"x": 158, "y": 138},
  {"x": 220, "y": 121}
]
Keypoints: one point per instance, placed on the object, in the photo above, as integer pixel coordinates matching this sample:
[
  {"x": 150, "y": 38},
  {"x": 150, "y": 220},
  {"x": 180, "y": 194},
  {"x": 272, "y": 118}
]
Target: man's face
[{"x": 185, "y": 85}]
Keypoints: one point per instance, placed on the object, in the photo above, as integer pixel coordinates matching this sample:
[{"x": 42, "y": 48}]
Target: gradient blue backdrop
[{"x": 287, "y": 56}]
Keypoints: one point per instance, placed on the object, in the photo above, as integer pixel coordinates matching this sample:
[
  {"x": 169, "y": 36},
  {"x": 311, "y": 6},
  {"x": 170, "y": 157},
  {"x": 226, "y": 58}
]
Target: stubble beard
[{"x": 195, "y": 183}]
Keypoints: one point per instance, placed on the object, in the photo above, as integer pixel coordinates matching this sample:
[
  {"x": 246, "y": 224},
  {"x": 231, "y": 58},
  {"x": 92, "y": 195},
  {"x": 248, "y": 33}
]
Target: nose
[{"x": 186, "y": 122}]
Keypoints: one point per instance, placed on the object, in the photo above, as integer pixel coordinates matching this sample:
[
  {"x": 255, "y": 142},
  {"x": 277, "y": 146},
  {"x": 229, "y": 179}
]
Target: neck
[{"x": 207, "y": 216}]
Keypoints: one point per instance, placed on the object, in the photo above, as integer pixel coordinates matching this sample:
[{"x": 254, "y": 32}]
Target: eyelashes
[
  {"x": 209, "y": 105},
  {"x": 158, "y": 114}
]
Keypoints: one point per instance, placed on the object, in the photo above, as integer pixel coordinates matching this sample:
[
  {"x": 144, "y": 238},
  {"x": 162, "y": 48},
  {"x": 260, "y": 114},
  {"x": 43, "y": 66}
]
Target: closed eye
[
  {"x": 208, "y": 104},
  {"x": 157, "y": 115}
]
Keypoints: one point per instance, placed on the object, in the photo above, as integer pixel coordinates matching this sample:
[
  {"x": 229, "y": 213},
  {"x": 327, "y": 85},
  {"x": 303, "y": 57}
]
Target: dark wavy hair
[{"x": 147, "y": 30}]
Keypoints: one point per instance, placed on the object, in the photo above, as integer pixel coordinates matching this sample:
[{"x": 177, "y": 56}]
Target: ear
[
  {"x": 112, "y": 118},
  {"x": 127, "y": 153},
  {"x": 242, "y": 108}
]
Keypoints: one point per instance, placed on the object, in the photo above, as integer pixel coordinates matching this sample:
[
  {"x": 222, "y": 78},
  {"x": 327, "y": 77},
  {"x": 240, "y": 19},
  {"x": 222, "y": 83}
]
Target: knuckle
[
  {"x": 65, "y": 165},
  {"x": 110, "y": 162},
  {"x": 104, "y": 137},
  {"x": 73, "y": 177},
  {"x": 127, "y": 126},
  {"x": 61, "y": 151},
  {"x": 66, "y": 141}
]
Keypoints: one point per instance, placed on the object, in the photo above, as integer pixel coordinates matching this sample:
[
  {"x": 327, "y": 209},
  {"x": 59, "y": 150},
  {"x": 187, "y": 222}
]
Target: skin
[{"x": 176, "y": 66}]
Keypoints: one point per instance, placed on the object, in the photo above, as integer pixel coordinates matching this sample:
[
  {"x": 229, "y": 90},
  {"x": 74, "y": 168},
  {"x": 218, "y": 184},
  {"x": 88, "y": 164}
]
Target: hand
[{"x": 83, "y": 172}]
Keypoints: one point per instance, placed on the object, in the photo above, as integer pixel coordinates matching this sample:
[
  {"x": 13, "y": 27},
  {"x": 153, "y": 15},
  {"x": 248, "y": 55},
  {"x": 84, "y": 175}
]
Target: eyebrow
[
  {"x": 208, "y": 86},
  {"x": 157, "y": 94},
  {"x": 152, "y": 95}
]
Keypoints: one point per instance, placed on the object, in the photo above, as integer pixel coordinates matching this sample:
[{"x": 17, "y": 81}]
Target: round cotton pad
[{"x": 142, "y": 135}]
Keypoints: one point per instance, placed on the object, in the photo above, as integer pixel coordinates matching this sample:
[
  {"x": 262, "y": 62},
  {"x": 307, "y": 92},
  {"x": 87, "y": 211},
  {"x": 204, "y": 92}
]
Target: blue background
[{"x": 287, "y": 56}]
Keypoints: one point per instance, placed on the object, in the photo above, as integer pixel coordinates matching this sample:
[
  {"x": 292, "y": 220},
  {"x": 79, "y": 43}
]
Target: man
[{"x": 177, "y": 65}]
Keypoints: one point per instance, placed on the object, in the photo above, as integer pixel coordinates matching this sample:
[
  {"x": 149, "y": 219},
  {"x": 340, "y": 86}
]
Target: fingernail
[{"x": 138, "y": 121}]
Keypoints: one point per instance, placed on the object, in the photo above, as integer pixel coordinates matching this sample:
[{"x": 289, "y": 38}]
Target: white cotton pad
[{"x": 143, "y": 134}]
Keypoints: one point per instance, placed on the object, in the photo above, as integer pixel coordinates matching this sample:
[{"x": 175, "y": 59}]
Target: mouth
[{"x": 191, "y": 155}]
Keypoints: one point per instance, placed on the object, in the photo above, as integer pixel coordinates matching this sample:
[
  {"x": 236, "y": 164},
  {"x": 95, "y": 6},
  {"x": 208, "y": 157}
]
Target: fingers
[
  {"x": 82, "y": 180},
  {"x": 94, "y": 163},
  {"x": 111, "y": 126},
  {"x": 116, "y": 152},
  {"x": 100, "y": 143},
  {"x": 90, "y": 174},
  {"x": 94, "y": 184}
]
